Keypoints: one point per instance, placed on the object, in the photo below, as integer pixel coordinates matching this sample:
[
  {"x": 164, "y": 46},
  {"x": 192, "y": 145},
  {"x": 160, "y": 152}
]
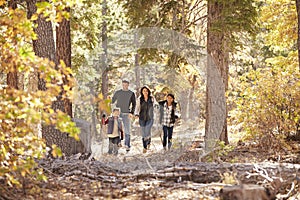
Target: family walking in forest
[{"x": 127, "y": 107}]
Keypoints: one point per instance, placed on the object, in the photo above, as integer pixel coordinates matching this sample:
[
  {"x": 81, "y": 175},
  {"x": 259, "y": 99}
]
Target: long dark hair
[{"x": 142, "y": 95}]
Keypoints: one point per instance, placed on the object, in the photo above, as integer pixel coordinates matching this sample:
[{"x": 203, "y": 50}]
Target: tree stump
[{"x": 244, "y": 192}]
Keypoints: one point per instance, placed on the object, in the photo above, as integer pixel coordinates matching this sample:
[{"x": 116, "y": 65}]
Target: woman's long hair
[{"x": 142, "y": 95}]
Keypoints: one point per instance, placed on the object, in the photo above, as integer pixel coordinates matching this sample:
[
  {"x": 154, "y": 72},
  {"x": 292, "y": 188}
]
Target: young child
[{"x": 115, "y": 131}]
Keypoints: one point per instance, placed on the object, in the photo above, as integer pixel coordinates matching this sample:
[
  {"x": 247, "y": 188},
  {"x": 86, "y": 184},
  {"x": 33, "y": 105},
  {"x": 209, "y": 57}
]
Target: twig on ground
[{"x": 285, "y": 196}]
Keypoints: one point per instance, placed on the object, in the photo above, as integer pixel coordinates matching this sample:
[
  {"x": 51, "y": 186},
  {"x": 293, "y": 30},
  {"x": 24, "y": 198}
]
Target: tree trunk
[
  {"x": 44, "y": 47},
  {"x": 63, "y": 52},
  {"x": 298, "y": 14},
  {"x": 191, "y": 99},
  {"x": 137, "y": 68},
  {"x": 137, "y": 73},
  {"x": 185, "y": 115},
  {"x": 104, "y": 86},
  {"x": 12, "y": 76},
  {"x": 12, "y": 79},
  {"x": 217, "y": 79}
]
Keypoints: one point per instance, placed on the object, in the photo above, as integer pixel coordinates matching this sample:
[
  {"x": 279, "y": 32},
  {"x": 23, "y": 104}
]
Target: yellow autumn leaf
[
  {"x": 23, "y": 173},
  {"x": 34, "y": 17},
  {"x": 2, "y": 2},
  {"x": 100, "y": 96}
]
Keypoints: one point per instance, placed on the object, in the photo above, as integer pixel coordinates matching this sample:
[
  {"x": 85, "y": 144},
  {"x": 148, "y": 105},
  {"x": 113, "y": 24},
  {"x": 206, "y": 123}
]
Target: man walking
[{"x": 125, "y": 100}]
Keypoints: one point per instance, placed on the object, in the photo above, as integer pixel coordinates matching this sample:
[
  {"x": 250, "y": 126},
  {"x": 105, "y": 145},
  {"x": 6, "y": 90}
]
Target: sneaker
[
  {"x": 127, "y": 148},
  {"x": 144, "y": 150}
]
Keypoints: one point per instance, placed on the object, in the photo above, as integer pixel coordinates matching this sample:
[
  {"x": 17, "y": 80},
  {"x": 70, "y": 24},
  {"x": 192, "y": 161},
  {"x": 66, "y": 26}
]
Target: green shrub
[{"x": 269, "y": 99}]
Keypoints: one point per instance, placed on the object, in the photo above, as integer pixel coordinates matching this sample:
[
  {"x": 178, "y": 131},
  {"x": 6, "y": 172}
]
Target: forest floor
[{"x": 159, "y": 174}]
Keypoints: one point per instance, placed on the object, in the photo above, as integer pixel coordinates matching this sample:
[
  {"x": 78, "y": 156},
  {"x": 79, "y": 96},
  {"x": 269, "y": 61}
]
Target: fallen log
[
  {"x": 243, "y": 173},
  {"x": 212, "y": 172},
  {"x": 276, "y": 177}
]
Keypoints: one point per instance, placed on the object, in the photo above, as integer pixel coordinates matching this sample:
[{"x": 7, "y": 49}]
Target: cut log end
[{"x": 241, "y": 192}]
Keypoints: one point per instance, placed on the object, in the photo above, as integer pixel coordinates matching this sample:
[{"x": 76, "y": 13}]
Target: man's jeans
[
  {"x": 146, "y": 131},
  {"x": 127, "y": 126}
]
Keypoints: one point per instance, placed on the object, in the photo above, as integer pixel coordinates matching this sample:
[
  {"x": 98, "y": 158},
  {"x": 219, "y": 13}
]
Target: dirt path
[{"x": 154, "y": 158}]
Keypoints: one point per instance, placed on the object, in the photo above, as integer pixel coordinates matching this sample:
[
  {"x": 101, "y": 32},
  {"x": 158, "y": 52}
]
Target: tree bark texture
[
  {"x": 191, "y": 99},
  {"x": 12, "y": 76},
  {"x": 137, "y": 68},
  {"x": 217, "y": 79},
  {"x": 298, "y": 14},
  {"x": 12, "y": 79},
  {"x": 44, "y": 47},
  {"x": 104, "y": 85},
  {"x": 63, "y": 52}
]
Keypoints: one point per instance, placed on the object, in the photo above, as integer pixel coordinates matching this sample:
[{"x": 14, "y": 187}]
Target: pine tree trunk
[
  {"x": 12, "y": 79},
  {"x": 217, "y": 79},
  {"x": 12, "y": 76},
  {"x": 104, "y": 86},
  {"x": 63, "y": 52},
  {"x": 137, "y": 67},
  {"x": 137, "y": 73},
  {"x": 44, "y": 47},
  {"x": 191, "y": 97},
  {"x": 298, "y": 13}
]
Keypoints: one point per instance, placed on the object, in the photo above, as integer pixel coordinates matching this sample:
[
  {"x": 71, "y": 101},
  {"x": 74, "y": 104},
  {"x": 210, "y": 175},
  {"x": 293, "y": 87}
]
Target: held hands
[
  {"x": 133, "y": 116},
  {"x": 103, "y": 119}
]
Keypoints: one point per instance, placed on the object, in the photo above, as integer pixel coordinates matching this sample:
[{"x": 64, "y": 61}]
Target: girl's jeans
[
  {"x": 168, "y": 132},
  {"x": 146, "y": 131}
]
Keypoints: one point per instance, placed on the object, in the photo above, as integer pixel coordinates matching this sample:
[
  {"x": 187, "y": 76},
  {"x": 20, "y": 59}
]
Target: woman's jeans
[
  {"x": 168, "y": 132},
  {"x": 146, "y": 131},
  {"x": 127, "y": 126}
]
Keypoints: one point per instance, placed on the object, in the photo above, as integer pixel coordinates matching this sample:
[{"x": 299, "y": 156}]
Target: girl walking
[{"x": 168, "y": 115}]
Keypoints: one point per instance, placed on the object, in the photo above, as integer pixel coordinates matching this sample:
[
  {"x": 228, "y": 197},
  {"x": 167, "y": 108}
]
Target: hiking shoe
[
  {"x": 144, "y": 150},
  {"x": 127, "y": 148},
  {"x": 148, "y": 146}
]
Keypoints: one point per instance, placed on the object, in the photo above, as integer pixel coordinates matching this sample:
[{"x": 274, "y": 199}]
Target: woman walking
[{"x": 144, "y": 112}]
